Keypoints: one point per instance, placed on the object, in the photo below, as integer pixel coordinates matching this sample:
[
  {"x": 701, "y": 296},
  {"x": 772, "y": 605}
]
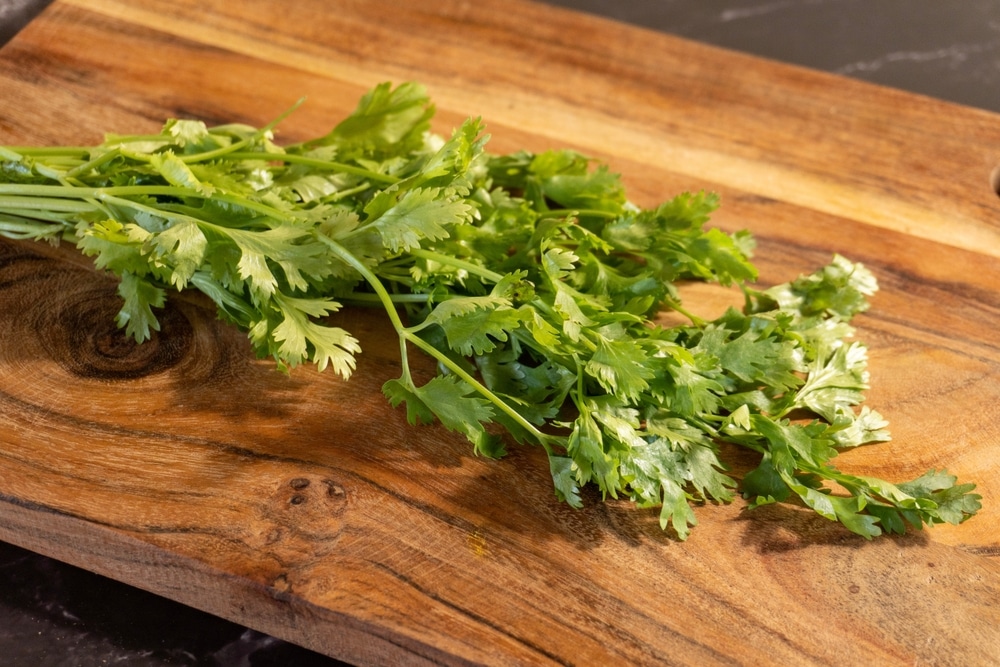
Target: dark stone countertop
[
  {"x": 56, "y": 615},
  {"x": 947, "y": 50}
]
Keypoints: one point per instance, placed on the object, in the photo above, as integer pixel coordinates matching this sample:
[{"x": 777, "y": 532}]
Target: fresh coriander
[{"x": 530, "y": 278}]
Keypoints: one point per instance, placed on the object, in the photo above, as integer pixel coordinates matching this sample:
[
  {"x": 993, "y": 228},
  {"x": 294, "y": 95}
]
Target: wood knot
[
  {"x": 308, "y": 506},
  {"x": 281, "y": 588},
  {"x": 329, "y": 488},
  {"x": 83, "y": 337}
]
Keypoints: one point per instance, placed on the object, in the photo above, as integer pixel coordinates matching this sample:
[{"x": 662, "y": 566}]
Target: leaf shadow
[{"x": 782, "y": 528}]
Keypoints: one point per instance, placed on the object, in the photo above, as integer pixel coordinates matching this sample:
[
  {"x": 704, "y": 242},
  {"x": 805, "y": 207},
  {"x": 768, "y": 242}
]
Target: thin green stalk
[
  {"x": 347, "y": 192},
  {"x": 676, "y": 306},
  {"x": 447, "y": 260},
  {"x": 226, "y": 151},
  {"x": 368, "y": 297},
  {"x": 118, "y": 195},
  {"x": 19, "y": 228},
  {"x": 89, "y": 165},
  {"x": 544, "y": 439},
  {"x": 45, "y": 151},
  {"x": 77, "y": 192},
  {"x": 305, "y": 160},
  {"x": 116, "y": 139},
  {"x": 12, "y": 203},
  {"x": 408, "y": 336},
  {"x": 62, "y": 195},
  {"x": 381, "y": 293},
  {"x": 574, "y": 212},
  {"x": 492, "y": 276}
]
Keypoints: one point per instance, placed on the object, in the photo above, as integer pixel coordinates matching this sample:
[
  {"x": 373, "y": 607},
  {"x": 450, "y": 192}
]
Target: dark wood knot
[{"x": 83, "y": 337}]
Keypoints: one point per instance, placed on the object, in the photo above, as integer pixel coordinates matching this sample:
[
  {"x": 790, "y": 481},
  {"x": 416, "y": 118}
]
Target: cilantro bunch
[{"x": 531, "y": 280}]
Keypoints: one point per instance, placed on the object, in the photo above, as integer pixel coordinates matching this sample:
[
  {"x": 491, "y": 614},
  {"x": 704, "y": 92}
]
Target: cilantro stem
[
  {"x": 72, "y": 192},
  {"x": 48, "y": 151},
  {"x": 407, "y": 335},
  {"x": 381, "y": 293},
  {"x": 544, "y": 439},
  {"x": 93, "y": 163},
  {"x": 59, "y": 197},
  {"x": 225, "y": 151},
  {"x": 368, "y": 297},
  {"x": 15, "y": 202},
  {"x": 347, "y": 192},
  {"x": 575, "y": 212},
  {"x": 20, "y": 228},
  {"x": 474, "y": 269},
  {"x": 305, "y": 160},
  {"x": 117, "y": 139},
  {"x": 676, "y": 306},
  {"x": 493, "y": 277}
]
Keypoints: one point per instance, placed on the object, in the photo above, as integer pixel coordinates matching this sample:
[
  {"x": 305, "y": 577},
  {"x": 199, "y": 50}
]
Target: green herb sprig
[{"x": 530, "y": 279}]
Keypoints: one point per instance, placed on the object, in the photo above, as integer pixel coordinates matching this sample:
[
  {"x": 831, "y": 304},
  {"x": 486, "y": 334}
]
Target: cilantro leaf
[
  {"x": 139, "y": 297},
  {"x": 420, "y": 214},
  {"x": 182, "y": 246},
  {"x": 620, "y": 367},
  {"x": 566, "y": 487},
  {"x": 387, "y": 121},
  {"x": 839, "y": 289},
  {"x": 176, "y": 172},
  {"x": 451, "y": 402},
  {"x": 300, "y": 337},
  {"x": 475, "y": 324}
]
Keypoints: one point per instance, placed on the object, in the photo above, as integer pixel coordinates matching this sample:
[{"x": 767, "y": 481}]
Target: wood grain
[{"x": 304, "y": 506}]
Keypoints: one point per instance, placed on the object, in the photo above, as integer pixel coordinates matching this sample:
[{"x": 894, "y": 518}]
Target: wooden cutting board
[{"x": 305, "y": 507}]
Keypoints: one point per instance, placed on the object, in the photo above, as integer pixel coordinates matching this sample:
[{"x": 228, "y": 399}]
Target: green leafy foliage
[{"x": 530, "y": 279}]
